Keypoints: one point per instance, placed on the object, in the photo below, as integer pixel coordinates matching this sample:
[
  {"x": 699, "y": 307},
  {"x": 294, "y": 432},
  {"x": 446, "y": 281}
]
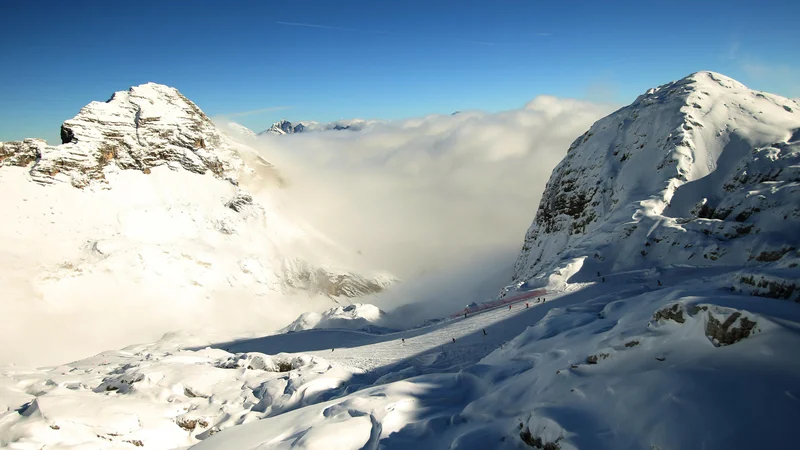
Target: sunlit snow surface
[
  {"x": 661, "y": 383},
  {"x": 639, "y": 344}
]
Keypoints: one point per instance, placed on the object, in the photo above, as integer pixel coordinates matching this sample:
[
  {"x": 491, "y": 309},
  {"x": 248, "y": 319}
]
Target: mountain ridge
[{"x": 701, "y": 167}]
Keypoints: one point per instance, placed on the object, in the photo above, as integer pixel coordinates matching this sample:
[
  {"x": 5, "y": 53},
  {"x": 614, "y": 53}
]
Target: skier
[
  {"x": 509, "y": 307},
  {"x": 331, "y": 349},
  {"x": 527, "y": 305},
  {"x": 403, "y": 339},
  {"x": 659, "y": 282},
  {"x": 604, "y": 279},
  {"x": 484, "y": 331},
  {"x": 454, "y": 340}
]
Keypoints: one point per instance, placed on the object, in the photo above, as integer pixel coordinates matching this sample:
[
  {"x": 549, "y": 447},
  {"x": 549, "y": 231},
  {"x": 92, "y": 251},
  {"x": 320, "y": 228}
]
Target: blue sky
[{"x": 321, "y": 60}]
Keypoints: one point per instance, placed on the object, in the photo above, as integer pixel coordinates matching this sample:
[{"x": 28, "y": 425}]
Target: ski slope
[
  {"x": 425, "y": 348},
  {"x": 601, "y": 366},
  {"x": 581, "y": 365}
]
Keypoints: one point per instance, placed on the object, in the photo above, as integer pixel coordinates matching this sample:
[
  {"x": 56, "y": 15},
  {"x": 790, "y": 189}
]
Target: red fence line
[{"x": 500, "y": 302}]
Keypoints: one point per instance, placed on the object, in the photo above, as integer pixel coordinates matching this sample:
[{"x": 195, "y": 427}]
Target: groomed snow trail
[{"x": 426, "y": 349}]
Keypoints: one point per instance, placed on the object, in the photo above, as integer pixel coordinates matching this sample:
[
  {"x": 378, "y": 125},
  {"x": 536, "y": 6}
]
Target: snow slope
[
  {"x": 166, "y": 394},
  {"x": 148, "y": 206},
  {"x": 598, "y": 368}
]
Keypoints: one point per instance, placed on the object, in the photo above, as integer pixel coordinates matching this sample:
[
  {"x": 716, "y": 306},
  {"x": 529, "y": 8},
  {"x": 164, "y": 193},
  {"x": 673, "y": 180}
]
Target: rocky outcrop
[
  {"x": 147, "y": 126},
  {"x": 21, "y": 153},
  {"x": 723, "y": 326},
  {"x": 701, "y": 171}
]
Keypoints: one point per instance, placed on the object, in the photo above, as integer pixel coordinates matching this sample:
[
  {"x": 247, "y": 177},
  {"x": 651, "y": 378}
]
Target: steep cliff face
[{"x": 702, "y": 171}]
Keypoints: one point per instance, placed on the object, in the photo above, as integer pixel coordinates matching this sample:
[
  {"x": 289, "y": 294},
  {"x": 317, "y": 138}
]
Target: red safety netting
[{"x": 500, "y": 302}]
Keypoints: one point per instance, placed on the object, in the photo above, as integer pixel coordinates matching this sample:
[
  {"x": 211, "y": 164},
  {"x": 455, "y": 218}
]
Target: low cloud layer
[{"x": 443, "y": 202}]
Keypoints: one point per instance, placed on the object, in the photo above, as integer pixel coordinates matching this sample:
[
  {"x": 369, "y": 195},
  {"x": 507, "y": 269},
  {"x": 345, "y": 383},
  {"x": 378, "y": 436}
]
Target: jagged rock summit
[
  {"x": 138, "y": 129},
  {"x": 701, "y": 172}
]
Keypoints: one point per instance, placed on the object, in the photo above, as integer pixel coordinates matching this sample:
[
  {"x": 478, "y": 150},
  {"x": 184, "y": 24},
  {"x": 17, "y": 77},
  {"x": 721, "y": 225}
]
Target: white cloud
[{"x": 443, "y": 196}]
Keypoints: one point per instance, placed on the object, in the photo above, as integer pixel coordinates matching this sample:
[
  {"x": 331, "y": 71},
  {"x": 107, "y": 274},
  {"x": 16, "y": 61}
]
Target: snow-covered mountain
[
  {"x": 147, "y": 126},
  {"x": 650, "y": 329},
  {"x": 700, "y": 172},
  {"x": 285, "y": 127},
  {"x": 148, "y": 201}
]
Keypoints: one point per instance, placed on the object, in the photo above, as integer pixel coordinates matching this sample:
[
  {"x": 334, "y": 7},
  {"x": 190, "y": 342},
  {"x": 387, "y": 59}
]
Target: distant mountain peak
[{"x": 284, "y": 127}]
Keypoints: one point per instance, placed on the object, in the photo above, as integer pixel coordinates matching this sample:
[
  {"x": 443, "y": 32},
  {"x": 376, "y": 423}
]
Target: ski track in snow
[{"x": 426, "y": 348}]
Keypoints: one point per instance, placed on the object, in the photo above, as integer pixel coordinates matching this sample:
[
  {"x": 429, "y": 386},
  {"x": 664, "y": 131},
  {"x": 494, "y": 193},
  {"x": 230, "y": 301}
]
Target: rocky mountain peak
[
  {"x": 146, "y": 126},
  {"x": 702, "y": 170}
]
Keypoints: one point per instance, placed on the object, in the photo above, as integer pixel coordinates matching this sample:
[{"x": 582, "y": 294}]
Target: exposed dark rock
[
  {"x": 724, "y": 333},
  {"x": 190, "y": 424},
  {"x": 538, "y": 442},
  {"x": 674, "y": 313},
  {"x": 593, "y": 359},
  {"x": 239, "y": 202}
]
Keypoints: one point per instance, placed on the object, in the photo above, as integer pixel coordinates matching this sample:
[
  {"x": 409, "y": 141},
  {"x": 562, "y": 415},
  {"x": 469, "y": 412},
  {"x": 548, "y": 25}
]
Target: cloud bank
[{"x": 443, "y": 202}]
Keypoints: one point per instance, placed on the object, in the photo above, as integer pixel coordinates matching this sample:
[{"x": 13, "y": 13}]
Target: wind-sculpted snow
[
  {"x": 701, "y": 171},
  {"x": 156, "y": 396}
]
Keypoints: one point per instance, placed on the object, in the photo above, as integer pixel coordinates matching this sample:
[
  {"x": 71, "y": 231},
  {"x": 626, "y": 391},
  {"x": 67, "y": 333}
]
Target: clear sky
[{"x": 325, "y": 60}]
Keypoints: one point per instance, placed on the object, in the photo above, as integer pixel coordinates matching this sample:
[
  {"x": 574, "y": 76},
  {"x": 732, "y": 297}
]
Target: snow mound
[
  {"x": 702, "y": 171},
  {"x": 358, "y": 316}
]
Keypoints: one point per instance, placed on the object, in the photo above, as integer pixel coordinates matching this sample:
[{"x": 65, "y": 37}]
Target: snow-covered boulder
[{"x": 355, "y": 317}]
